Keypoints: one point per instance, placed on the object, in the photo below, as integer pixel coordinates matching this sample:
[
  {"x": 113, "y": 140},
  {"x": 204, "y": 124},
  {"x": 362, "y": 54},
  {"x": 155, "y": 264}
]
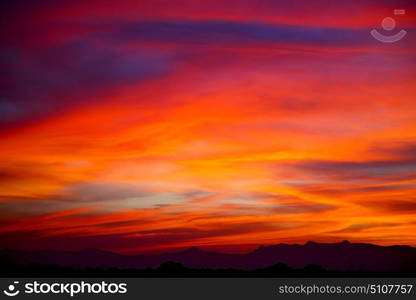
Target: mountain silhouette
[{"x": 344, "y": 256}]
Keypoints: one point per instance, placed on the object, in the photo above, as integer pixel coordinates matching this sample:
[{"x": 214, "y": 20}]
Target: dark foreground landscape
[{"x": 311, "y": 259}]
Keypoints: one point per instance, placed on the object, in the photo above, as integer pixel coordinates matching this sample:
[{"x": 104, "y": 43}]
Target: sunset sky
[{"x": 146, "y": 126}]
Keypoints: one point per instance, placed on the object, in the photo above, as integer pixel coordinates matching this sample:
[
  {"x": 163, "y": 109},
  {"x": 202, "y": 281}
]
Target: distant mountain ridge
[{"x": 343, "y": 256}]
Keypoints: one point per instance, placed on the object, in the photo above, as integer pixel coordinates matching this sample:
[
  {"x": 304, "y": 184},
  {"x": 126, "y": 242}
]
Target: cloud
[
  {"x": 101, "y": 192},
  {"x": 22, "y": 207},
  {"x": 398, "y": 149},
  {"x": 107, "y": 196},
  {"x": 162, "y": 125},
  {"x": 352, "y": 178},
  {"x": 139, "y": 240},
  {"x": 263, "y": 204},
  {"x": 284, "y": 208},
  {"x": 355, "y": 169},
  {"x": 241, "y": 34},
  {"x": 394, "y": 206},
  {"x": 353, "y": 189},
  {"x": 299, "y": 208},
  {"x": 341, "y": 13},
  {"x": 59, "y": 78},
  {"x": 354, "y": 228},
  {"x": 124, "y": 196},
  {"x": 258, "y": 204},
  {"x": 20, "y": 172}
]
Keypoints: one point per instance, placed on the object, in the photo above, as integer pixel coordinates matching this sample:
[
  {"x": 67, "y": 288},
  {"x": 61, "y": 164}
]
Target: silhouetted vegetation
[{"x": 176, "y": 269}]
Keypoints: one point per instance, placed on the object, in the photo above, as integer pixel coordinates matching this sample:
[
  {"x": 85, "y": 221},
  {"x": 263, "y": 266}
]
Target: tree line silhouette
[{"x": 176, "y": 269}]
